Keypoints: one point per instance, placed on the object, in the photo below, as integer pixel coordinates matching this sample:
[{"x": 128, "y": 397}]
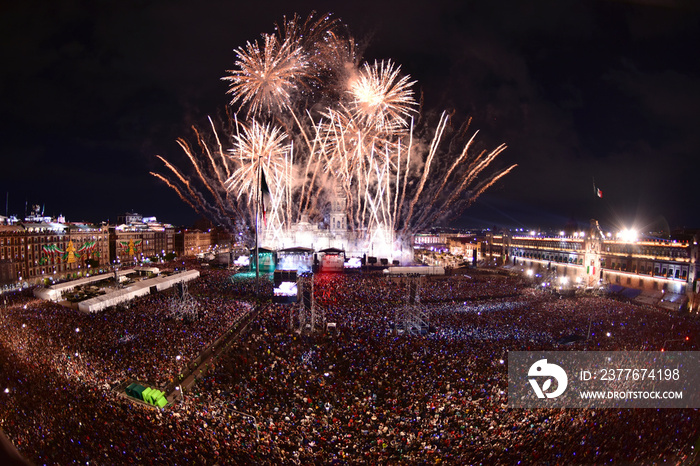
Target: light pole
[
  {"x": 247, "y": 416},
  {"x": 670, "y": 341}
]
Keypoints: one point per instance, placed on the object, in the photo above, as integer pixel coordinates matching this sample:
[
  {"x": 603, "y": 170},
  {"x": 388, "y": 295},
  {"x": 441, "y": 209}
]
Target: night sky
[{"x": 91, "y": 91}]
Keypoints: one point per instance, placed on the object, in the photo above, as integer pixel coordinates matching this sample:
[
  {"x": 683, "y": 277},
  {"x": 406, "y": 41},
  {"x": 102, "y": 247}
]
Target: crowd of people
[
  {"x": 362, "y": 393},
  {"x": 141, "y": 341}
]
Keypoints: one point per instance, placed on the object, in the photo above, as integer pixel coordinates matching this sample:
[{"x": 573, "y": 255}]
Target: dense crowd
[
  {"x": 141, "y": 341},
  {"x": 360, "y": 394}
]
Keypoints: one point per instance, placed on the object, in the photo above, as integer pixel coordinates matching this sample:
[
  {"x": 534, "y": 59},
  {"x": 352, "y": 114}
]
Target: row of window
[
  {"x": 664, "y": 270},
  {"x": 565, "y": 246},
  {"x": 669, "y": 251},
  {"x": 7, "y": 252},
  {"x": 649, "y": 251},
  {"x": 658, "y": 270},
  {"x": 549, "y": 257},
  {"x": 54, "y": 239},
  {"x": 11, "y": 241}
]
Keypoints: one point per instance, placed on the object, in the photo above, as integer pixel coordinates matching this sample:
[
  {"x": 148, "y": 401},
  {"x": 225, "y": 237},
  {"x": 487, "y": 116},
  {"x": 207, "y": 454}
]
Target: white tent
[
  {"x": 141, "y": 288},
  {"x": 55, "y": 292}
]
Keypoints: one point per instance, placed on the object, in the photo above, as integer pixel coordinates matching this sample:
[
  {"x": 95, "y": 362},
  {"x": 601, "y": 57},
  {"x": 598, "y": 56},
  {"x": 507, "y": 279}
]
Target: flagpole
[{"x": 257, "y": 224}]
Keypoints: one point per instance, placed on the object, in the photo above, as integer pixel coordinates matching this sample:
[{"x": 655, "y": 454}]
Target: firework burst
[
  {"x": 268, "y": 77},
  {"x": 381, "y": 98},
  {"x": 341, "y": 130},
  {"x": 257, "y": 147}
]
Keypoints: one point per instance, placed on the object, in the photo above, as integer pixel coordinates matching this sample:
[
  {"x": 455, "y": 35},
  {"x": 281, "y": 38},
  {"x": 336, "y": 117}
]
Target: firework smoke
[{"x": 320, "y": 125}]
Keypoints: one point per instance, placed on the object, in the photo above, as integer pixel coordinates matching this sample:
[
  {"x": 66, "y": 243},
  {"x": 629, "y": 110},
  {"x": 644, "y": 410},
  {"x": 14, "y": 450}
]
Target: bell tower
[
  {"x": 593, "y": 245},
  {"x": 338, "y": 217}
]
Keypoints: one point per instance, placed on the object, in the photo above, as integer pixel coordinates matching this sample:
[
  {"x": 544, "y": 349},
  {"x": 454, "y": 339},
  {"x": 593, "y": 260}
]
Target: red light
[
  {"x": 687, "y": 338},
  {"x": 662, "y": 350}
]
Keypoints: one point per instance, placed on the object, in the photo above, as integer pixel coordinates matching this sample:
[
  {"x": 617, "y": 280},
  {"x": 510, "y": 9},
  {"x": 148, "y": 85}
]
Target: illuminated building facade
[
  {"x": 430, "y": 241},
  {"x": 663, "y": 270},
  {"x": 130, "y": 218},
  {"x": 465, "y": 246},
  {"x": 141, "y": 239},
  {"x": 36, "y": 253},
  {"x": 193, "y": 242}
]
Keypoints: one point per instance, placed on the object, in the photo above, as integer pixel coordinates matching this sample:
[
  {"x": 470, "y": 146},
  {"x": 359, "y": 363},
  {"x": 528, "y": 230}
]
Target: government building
[{"x": 659, "y": 272}]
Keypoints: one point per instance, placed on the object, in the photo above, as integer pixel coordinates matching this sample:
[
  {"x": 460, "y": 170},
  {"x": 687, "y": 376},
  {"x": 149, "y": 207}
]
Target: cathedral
[{"x": 334, "y": 234}]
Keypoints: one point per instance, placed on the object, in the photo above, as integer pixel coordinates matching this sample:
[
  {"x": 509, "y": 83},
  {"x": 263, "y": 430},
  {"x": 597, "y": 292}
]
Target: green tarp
[
  {"x": 138, "y": 391},
  {"x": 153, "y": 396},
  {"x": 130, "y": 390},
  {"x": 150, "y": 395},
  {"x": 146, "y": 395}
]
